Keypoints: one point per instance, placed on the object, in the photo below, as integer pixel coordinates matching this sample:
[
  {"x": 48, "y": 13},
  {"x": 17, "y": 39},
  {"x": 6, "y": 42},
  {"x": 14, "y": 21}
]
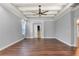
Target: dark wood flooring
[{"x": 39, "y": 47}]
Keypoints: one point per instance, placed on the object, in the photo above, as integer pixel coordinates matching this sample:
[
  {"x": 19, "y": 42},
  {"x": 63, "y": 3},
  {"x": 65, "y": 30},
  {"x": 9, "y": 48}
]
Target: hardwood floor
[
  {"x": 41, "y": 47},
  {"x": 77, "y": 50}
]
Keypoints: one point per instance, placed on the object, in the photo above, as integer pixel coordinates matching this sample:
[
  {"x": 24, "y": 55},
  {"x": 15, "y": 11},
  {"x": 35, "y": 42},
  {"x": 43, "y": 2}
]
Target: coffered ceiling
[{"x": 31, "y": 9}]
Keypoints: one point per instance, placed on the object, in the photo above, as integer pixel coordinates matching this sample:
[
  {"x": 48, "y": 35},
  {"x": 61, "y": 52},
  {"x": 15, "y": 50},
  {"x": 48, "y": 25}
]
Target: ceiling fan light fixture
[{"x": 39, "y": 5}]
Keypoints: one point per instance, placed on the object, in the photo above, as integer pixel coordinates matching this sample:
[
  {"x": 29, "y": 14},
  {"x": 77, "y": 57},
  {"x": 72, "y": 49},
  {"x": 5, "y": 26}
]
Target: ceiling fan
[{"x": 40, "y": 11}]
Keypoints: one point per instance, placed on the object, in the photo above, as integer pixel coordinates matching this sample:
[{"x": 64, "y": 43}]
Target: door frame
[
  {"x": 75, "y": 33},
  {"x": 42, "y": 30}
]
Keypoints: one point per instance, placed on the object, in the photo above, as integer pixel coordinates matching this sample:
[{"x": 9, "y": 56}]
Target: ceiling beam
[
  {"x": 36, "y": 4},
  {"x": 43, "y": 8},
  {"x": 40, "y": 16}
]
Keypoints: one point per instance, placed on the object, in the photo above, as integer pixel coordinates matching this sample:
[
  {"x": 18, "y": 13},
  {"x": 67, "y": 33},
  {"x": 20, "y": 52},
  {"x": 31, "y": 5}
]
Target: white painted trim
[
  {"x": 13, "y": 10},
  {"x": 42, "y": 23},
  {"x": 51, "y": 19},
  {"x": 69, "y": 5},
  {"x": 10, "y": 44},
  {"x": 57, "y": 39},
  {"x": 75, "y": 8},
  {"x": 43, "y": 29},
  {"x": 42, "y": 37},
  {"x": 28, "y": 37},
  {"x": 49, "y": 37},
  {"x": 65, "y": 42},
  {"x": 63, "y": 11}
]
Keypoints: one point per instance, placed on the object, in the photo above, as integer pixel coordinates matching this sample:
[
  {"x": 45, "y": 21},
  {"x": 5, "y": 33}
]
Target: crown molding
[
  {"x": 13, "y": 10},
  {"x": 63, "y": 11}
]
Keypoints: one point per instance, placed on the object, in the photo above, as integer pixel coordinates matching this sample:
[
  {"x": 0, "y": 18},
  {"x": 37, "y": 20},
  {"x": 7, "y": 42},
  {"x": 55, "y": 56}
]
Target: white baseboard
[
  {"x": 31, "y": 37},
  {"x": 42, "y": 37},
  {"x": 59, "y": 40},
  {"x": 49, "y": 37},
  {"x": 64, "y": 42},
  {"x": 10, "y": 44},
  {"x": 28, "y": 37}
]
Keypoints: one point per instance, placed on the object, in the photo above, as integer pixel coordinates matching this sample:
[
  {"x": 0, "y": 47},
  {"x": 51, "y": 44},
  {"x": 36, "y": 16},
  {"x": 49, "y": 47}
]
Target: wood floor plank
[{"x": 39, "y": 47}]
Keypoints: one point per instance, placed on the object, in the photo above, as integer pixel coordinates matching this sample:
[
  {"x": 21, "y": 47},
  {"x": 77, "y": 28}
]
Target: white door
[{"x": 36, "y": 31}]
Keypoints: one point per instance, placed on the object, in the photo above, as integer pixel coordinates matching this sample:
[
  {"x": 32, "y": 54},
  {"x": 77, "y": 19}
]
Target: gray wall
[
  {"x": 66, "y": 26},
  {"x": 28, "y": 29},
  {"x": 48, "y": 25},
  {"x": 10, "y": 28},
  {"x": 49, "y": 29},
  {"x": 63, "y": 27},
  {"x": 76, "y": 17}
]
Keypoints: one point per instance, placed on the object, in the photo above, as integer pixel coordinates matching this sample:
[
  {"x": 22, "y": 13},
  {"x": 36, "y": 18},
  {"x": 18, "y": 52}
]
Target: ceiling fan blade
[
  {"x": 34, "y": 12},
  {"x": 43, "y": 14},
  {"x": 44, "y": 11}
]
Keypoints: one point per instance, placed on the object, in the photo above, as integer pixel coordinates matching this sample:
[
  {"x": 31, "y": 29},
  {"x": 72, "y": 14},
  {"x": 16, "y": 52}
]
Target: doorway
[
  {"x": 77, "y": 33},
  {"x": 37, "y": 30}
]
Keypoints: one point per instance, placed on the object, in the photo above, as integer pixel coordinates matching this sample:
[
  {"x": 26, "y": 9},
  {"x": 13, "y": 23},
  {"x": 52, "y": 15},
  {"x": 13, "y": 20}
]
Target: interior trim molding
[
  {"x": 49, "y": 37},
  {"x": 11, "y": 44},
  {"x": 13, "y": 9},
  {"x": 73, "y": 45},
  {"x": 33, "y": 38},
  {"x": 41, "y": 37},
  {"x": 63, "y": 11},
  {"x": 66, "y": 42}
]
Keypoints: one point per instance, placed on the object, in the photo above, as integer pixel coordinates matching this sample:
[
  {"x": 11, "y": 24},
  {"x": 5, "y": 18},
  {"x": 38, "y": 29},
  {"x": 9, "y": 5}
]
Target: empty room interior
[{"x": 39, "y": 29}]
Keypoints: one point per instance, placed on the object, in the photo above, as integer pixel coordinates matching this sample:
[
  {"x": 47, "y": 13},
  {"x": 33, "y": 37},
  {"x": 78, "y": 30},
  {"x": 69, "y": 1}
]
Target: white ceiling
[{"x": 30, "y": 9}]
